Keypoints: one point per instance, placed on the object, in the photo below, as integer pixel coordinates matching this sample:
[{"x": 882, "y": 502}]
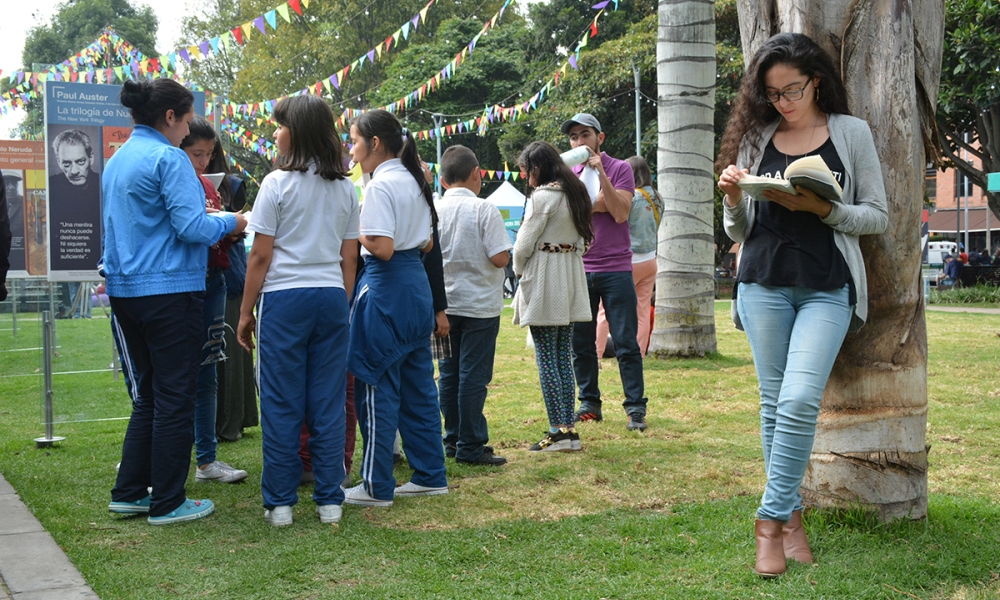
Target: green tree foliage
[
  {"x": 494, "y": 71},
  {"x": 75, "y": 25},
  {"x": 79, "y": 22},
  {"x": 968, "y": 114}
]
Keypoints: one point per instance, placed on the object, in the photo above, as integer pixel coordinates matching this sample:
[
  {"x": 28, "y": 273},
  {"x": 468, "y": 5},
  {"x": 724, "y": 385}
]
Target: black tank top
[{"x": 794, "y": 248}]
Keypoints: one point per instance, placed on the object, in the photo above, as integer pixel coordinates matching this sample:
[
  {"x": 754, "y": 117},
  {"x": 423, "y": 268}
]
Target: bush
[{"x": 967, "y": 295}]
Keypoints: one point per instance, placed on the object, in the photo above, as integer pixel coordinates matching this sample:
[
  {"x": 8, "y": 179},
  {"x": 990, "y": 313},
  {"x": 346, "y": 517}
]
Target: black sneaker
[
  {"x": 589, "y": 412},
  {"x": 487, "y": 458},
  {"x": 636, "y": 422},
  {"x": 566, "y": 440},
  {"x": 450, "y": 450}
]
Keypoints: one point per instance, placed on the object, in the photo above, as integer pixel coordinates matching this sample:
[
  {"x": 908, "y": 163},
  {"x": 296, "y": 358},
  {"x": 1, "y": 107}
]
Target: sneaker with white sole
[
  {"x": 279, "y": 516},
  {"x": 140, "y": 506},
  {"x": 189, "y": 510},
  {"x": 411, "y": 489},
  {"x": 219, "y": 471},
  {"x": 358, "y": 496},
  {"x": 566, "y": 440},
  {"x": 329, "y": 513}
]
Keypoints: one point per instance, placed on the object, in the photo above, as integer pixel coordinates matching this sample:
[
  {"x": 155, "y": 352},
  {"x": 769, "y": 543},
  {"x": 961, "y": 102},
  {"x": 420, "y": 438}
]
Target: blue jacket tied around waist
[{"x": 392, "y": 314}]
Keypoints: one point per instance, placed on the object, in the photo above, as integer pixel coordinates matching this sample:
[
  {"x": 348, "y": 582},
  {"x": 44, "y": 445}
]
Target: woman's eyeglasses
[{"x": 790, "y": 95}]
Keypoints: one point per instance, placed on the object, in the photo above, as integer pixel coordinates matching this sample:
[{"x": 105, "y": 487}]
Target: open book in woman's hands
[{"x": 809, "y": 172}]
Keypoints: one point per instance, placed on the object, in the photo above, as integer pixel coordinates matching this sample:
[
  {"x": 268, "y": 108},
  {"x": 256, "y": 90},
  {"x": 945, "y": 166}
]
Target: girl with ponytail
[{"x": 393, "y": 317}]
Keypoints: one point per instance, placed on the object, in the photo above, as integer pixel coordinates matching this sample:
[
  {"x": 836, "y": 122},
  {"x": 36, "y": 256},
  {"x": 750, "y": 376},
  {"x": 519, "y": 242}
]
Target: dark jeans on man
[
  {"x": 163, "y": 338},
  {"x": 617, "y": 291},
  {"x": 462, "y": 384}
]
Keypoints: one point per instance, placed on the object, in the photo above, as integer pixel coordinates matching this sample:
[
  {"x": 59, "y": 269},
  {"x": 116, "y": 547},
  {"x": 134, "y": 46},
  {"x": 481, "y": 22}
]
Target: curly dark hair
[{"x": 752, "y": 112}]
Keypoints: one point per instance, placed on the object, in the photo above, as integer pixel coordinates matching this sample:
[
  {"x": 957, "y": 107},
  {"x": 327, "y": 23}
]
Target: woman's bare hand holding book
[{"x": 809, "y": 172}]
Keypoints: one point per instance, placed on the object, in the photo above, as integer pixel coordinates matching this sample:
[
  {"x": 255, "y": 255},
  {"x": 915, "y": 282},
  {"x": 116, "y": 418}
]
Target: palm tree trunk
[
  {"x": 685, "y": 280},
  {"x": 870, "y": 440}
]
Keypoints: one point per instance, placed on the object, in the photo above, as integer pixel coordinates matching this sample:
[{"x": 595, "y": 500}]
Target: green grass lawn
[{"x": 665, "y": 514}]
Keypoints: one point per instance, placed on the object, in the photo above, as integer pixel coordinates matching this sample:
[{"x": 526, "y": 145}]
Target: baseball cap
[{"x": 585, "y": 119}]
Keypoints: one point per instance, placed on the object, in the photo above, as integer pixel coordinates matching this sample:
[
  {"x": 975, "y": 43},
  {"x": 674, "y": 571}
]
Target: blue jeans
[
  {"x": 83, "y": 311},
  {"x": 207, "y": 404},
  {"x": 162, "y": 335},
  {"x": 795, "y": 335},
  {"x": 463, "y": 381},
  {"x": 617, "y": 291}
]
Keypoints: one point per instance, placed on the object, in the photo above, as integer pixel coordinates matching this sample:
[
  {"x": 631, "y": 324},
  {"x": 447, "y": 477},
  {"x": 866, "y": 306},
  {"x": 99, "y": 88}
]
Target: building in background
[{"x": 961, "y": 211}]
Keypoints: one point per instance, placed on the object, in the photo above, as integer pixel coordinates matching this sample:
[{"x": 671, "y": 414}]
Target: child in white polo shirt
[{"x": 475, "y": 248}]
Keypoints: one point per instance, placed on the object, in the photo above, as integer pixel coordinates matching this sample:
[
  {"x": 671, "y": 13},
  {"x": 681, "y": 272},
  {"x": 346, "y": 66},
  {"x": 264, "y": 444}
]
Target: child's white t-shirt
[
  {"x": 394, "y": 207},
  {"x": 309, "y": 217}
]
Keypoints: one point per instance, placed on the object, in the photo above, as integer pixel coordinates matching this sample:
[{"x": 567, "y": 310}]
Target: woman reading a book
[{"x": 801, "y": 282}]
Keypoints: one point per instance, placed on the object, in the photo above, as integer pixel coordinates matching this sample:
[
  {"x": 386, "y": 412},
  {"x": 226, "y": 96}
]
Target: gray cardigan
[{"x": 863, "y": 211}]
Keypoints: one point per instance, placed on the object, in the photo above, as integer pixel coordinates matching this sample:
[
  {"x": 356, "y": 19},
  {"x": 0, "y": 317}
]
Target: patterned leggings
[{"x": 555, "y": 372}]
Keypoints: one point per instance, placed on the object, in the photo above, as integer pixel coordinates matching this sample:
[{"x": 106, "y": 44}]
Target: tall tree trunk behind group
[
  {"x": 685, "y": 279},
  {"x": 870, "y": 441}
]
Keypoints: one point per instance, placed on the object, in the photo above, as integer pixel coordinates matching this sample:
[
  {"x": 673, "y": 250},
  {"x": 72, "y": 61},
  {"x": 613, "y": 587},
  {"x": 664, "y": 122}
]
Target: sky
[{"x": 21, "y": 17}]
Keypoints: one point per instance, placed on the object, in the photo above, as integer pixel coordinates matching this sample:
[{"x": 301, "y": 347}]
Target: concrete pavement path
[{"x": 32, "y": 565}]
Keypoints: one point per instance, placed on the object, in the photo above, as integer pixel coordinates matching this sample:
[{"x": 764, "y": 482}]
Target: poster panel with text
[
  {"x": 84, "y": 125},
  {"x": 22, "y": 165}
]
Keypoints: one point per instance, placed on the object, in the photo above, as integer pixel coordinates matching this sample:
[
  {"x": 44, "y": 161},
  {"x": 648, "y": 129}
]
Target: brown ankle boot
[
  {"x": 770, "y": 553},
  {"x": 793, "y": 536}
]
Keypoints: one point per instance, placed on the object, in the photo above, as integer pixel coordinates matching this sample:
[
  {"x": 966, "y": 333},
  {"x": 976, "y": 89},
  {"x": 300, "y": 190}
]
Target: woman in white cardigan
[
  {"x": 552, "y": 294},
  {"x": 801, "y": 278}
]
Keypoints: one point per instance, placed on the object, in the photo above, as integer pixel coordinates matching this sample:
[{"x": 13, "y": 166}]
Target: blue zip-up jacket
[{"x": 156, "y": 231}]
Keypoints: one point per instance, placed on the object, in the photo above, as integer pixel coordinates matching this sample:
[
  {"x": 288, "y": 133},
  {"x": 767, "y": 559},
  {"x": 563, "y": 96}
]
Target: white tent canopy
[{"x": 507, "y": 196}]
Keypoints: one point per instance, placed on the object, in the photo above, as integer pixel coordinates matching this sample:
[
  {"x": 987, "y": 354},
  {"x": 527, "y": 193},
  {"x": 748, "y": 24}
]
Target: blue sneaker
[
  {"x": 189, "y": 511},
  {"x": 130, "y": 508}
]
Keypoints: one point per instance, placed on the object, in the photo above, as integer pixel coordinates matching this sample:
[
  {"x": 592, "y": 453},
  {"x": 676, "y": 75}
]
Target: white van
[{"x": 936, "y": 250}]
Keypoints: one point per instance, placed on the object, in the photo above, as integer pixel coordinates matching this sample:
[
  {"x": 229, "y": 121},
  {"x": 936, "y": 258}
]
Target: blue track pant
[
  {"x": 405, "y": 398},
  {"x": 302, "y": 376}
]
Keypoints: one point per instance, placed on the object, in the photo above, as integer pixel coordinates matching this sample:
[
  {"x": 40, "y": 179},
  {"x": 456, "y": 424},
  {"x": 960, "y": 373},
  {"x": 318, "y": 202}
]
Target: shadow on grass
[
  {"x": 713, "y": 361},
  {"x": 702, "y": 550}
]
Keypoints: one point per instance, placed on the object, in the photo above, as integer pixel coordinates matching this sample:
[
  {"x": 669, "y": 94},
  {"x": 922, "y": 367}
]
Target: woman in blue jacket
[{"x": 156, "y": 236}]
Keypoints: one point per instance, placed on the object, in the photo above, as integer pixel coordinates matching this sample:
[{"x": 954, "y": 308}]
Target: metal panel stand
[
  {"x": 13, "y": 309},
  {"x": 48, "y": 335}
]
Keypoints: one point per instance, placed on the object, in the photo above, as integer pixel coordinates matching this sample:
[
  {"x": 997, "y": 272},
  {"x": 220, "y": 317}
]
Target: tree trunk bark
[
  {"x": 685, "y": 279},
  {"x": 870, "y": 440}
]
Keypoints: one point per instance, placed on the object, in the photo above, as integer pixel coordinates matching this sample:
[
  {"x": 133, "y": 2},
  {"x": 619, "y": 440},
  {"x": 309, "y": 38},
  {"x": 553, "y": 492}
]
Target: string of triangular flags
[
  {"x": 260, "y": 112},
  {"x": 491, "y": 115},
  {"x": 248, "y": 139},
  {"x": 261, "y": 109},
  {"x": 504, "y": 174},
  {"x": 239, "y": 168},
  {"x": 84, "y": 65},
  {"x": 434, "y": 83},
  {"x": 500, "y": 114}
]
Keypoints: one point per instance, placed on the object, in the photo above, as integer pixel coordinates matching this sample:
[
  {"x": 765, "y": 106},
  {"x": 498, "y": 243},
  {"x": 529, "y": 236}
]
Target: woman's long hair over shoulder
[
  {"x": 752, "y": 112},
  {"x": 544, "y": 157}
]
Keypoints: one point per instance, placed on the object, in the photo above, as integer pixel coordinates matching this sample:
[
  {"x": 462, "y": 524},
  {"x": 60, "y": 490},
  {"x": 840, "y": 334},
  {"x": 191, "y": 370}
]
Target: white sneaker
[
  {"x": 329, "y": 513},
  {"x": 221, "y": 472},
  {"x": 358, "y": 496},
  {"x": 279, "y": 516},
  {"x": 411, "y": 489}
]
